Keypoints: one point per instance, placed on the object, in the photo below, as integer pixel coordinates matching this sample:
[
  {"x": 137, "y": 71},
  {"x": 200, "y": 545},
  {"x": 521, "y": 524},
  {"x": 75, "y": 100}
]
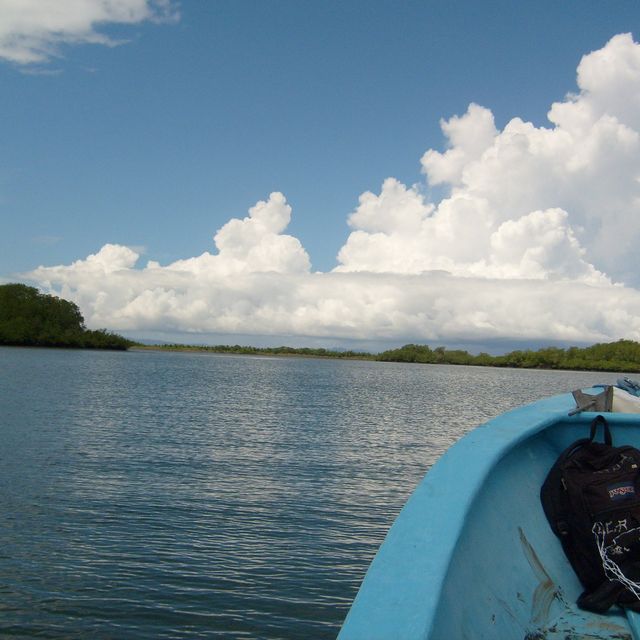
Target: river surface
[{"x": 180, "y": 495}]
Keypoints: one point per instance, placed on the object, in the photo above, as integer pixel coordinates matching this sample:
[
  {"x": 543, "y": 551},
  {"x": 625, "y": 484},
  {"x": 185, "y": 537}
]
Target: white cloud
[
  {"x": 469, "y": 136},
  {"x": 398, "y": 232},
  {"x": 538, "y": 228},
  {"x": 429, "y": 306},
  {"x": 582, "y": 176},
  {"x": 252, "y": 245},
  {"x": 31, "y": 31}
]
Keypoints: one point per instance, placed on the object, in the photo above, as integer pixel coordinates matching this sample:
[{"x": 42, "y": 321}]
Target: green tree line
[
  {"x": 622, "y": 356},
  {"x": 31, "y": 318},
  {"x": 237, "y": 349}
]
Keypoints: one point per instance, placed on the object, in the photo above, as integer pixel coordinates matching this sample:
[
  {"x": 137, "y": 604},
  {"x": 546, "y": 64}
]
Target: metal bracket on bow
[{"x": 601, "y": 402}]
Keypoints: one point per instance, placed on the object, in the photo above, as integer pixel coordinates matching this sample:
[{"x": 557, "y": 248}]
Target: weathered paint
[
  {"x": 546, "y": 590},
  {"x": 471, "y": 555}
]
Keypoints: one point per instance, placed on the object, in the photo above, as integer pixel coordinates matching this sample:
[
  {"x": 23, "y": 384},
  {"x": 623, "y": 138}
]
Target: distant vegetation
[
  {"x": 31, "y": 318},
  {"x": 622, "y": 356},
  {"x": 269, "y": 351}
]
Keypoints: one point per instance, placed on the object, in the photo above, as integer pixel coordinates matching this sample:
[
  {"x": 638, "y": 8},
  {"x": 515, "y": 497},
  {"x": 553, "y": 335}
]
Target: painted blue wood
[{"x": 471, "y": 555}]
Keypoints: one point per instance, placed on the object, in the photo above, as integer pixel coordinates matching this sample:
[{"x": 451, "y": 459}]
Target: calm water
[{"x": 170, "y": 495}]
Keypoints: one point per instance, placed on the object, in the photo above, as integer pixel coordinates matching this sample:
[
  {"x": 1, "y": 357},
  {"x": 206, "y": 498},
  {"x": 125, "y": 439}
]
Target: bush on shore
[{"x": 34, "y": 319}]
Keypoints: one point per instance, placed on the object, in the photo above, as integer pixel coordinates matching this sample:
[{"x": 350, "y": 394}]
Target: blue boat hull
[{"x": 471, "y": 555}]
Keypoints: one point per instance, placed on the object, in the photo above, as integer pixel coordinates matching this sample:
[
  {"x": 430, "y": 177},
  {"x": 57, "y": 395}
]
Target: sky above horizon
[{"x": 332, "y": 173}]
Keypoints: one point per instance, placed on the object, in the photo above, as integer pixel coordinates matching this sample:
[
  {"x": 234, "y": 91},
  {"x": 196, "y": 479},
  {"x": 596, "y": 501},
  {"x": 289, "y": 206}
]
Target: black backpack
[{"x": 591, "y": 498}]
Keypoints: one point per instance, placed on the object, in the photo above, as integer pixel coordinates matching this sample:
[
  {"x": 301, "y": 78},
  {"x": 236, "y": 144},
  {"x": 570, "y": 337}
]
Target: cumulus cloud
[
  {"x": 525, "y": 202},
  {"x": 200, "y": 294},
  {"x": 32, "y": 31},
  {"x": 431, "y": 306},
  {"x": 462, "y": 236},
  {"x": 254, "y": 244},
  {"x": 535, "y": 237},
  {"x": 469, "y": 136}
]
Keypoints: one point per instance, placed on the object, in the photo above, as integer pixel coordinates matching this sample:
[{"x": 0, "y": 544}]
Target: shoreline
[
  {"x": 272, "y": 352},
  {"x": 554, "y": 359},
  {"x": 621, "y": 357}
]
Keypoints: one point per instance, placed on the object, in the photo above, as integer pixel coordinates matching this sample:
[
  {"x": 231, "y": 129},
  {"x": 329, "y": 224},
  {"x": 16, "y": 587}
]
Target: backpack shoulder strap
[{"x": 600, "y": 420}]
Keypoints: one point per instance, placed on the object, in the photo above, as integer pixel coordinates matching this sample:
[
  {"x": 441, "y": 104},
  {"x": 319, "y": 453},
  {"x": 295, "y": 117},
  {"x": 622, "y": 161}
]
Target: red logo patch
[{"x": 621, "y": 491}]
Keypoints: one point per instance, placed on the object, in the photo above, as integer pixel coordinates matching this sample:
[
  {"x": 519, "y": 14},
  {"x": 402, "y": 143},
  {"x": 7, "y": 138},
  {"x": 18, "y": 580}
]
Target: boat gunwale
[{"x": 395, "y": 599}]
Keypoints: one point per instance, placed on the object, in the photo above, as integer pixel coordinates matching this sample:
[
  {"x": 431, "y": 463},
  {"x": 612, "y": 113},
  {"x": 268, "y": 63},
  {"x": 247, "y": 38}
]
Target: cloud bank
[
  {"x": 535, "y": 238},
  {"x": 32, "y": 31}
]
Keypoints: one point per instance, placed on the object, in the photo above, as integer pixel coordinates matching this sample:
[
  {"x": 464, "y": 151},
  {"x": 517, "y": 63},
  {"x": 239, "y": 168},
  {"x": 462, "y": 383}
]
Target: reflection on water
[{"x": 170, "y": 495}]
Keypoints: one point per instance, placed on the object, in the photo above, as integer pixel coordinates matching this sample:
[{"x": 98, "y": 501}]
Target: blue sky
[{"x": 196, "y": 111}]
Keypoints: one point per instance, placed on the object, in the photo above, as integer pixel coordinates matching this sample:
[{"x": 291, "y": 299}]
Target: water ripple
[{"x": 149, "y": 495}]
